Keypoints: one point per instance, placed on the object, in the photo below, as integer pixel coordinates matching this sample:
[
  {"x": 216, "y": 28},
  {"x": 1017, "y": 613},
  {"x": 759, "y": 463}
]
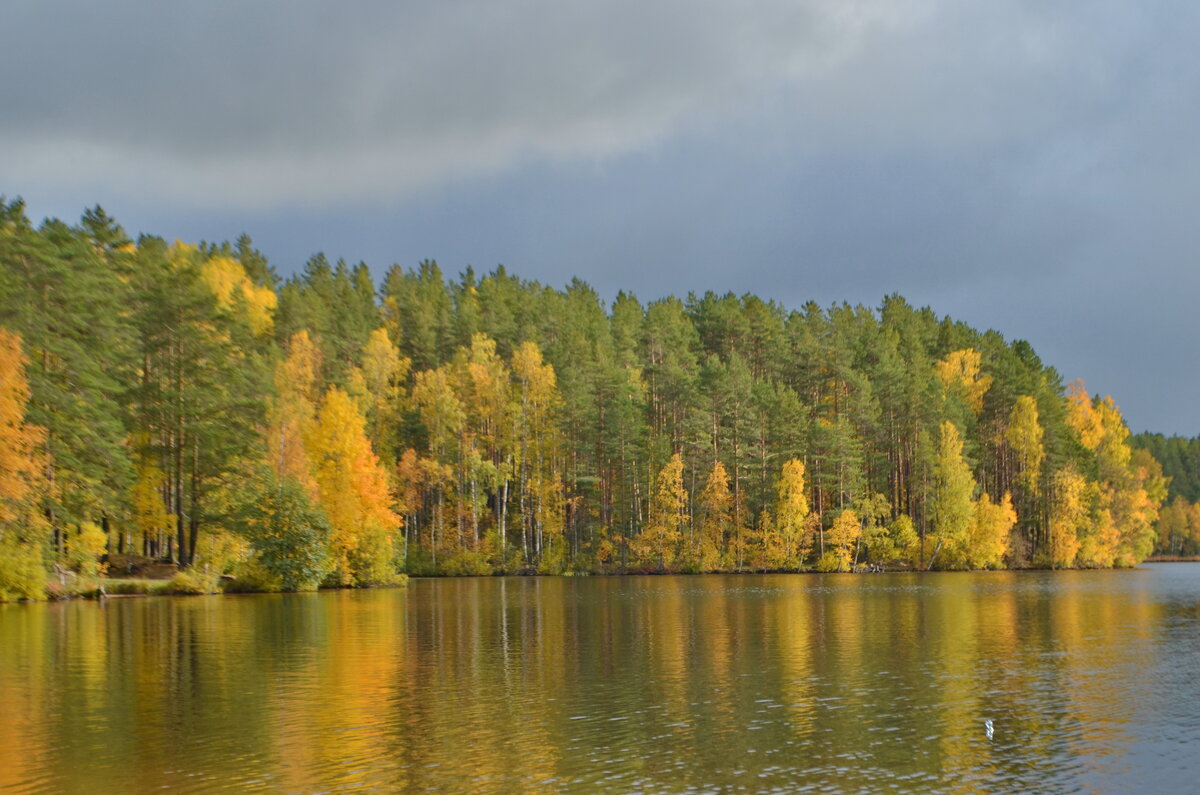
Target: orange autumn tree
[
  {"x": 353, "y": 491},
  {"x": 22, "y": 481}
]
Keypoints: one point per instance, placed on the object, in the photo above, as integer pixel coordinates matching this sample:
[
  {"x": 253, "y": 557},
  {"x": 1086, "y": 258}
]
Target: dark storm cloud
[
  {"x": 266, "y": 102},
  {"x": 1028, "y": 166}
]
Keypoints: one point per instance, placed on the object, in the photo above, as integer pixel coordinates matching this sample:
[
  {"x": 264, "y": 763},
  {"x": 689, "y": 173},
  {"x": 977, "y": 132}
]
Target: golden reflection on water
[{"x": 638, "y": 683}]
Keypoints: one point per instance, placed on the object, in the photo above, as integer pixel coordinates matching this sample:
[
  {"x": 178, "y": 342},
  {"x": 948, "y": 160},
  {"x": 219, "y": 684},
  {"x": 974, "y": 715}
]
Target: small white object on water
[{"x": 987, "y": 724}]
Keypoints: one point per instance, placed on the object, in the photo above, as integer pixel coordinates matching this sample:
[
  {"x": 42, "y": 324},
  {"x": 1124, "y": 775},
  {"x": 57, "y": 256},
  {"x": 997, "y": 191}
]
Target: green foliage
[
  {"x": 287, "y": 532},
  {"x": 489, "y": 423},
  {"x": 191, "y": 583},
  {"x": 252, "y": 576},
  {"x": 467, "y": 563},
  {"x": 373, "y": 559},
  {"x": 1180, "y": 459}
]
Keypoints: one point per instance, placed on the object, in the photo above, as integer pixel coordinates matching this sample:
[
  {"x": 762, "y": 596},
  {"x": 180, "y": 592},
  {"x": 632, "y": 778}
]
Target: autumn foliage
[{"x": 184, "y": 403}]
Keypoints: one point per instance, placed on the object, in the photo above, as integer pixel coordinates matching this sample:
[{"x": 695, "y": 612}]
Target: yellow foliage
[
  {"x": 292, "y": 412},
  {"x": 1024, "y": 436},
  {"x": 1130, "y": 489},
  {"x": 439, "y": 406},
  {"x": 1099, "y": 540},
  {"x": 485, "y": 383},
  {"x": 22, "y": 481},
  {"x": 537, "y": 379},
  {"x": 716, "y": 502},
  {"x": 228, "y": 281},
  {"x": 952, "y": 506},
  {"x": 658, "y": 544},
  {"x": 353, "y": 491},
  {"x": 409, "y": 480},
  {"x": 383, "y": 372},
  {"x": 792, "y": 518},
  {"x": 85, "y": 547},
  {"x": 150, "y": 514},
  {"x": 1068, "y": 513},
  {"x": 842, "y": 537},
  {"x": 1081, "y": 417},
  {"x": 990, "y": 528},
  {"x": 959, "y": 373}
]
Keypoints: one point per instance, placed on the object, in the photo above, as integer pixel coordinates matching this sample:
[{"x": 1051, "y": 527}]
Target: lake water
[{"x": 735, "y": 683}]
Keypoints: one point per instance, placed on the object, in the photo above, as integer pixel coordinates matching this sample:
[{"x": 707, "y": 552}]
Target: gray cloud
[
  {"x": 1028, "y": 166},
  {"x": 263, "y": 103}
]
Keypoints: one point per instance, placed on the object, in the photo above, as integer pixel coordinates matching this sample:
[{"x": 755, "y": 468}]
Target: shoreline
[{"x": 128, "y": 588}]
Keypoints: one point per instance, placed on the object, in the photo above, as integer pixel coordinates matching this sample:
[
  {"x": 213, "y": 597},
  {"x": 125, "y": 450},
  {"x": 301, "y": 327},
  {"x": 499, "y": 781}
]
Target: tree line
[
  {"x": 186, "y": 403},
  {"x": 1179, "y": 519}
]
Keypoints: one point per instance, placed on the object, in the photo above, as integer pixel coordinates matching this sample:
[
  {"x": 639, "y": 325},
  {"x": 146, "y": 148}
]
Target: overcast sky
[{"x": 1032, "y": 167}]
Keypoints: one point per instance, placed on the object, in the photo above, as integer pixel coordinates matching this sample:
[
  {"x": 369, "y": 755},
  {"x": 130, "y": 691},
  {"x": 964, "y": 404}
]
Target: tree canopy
[{"x": 486, "y": 423}]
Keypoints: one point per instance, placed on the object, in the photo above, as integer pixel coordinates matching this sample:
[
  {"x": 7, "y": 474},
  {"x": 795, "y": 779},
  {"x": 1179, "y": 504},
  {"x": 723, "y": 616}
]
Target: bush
[
  {"x": 829, "y": 562},
  {"x": 129, "y": 587},
  {"x": 191, "y": 583},
  {"x": 22, "y": 569},
  {"x": 221, "y": 551},
  {"x": 85, "y": 548},
  {"x": 252, "y": 577},
  {"x": 467, "y": 563},
  {"x": 287, "y": 533},
  {"x": 372, "y": 562},
  {"x": 554, "y": 557}
]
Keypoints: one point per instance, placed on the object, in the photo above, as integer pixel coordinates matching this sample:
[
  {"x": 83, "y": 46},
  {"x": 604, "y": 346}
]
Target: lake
[{"x": 842, "y": 683}]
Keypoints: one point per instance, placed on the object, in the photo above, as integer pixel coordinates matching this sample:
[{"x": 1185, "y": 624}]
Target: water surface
[{"x": 753, "y": 683}]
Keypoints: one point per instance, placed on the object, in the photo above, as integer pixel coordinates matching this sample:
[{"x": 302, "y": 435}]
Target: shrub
[
  {"x": 467, "y": 563},
  {"x": 191, "y": 582},
  {"x": 372, "y": 562},
  {"x": 252, "y": 577},
  {"x": 287, "y": 533},
  {"x": 22, "y": 569},
  {"x": 129, "y": 587},
  {"x": 85, "y": 548},
  {"x": 829, "y": 562}
]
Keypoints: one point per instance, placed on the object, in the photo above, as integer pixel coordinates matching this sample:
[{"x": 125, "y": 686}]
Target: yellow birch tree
[
  {"x": 658, "y": 545},
  {"x": 354, "y": 493}
]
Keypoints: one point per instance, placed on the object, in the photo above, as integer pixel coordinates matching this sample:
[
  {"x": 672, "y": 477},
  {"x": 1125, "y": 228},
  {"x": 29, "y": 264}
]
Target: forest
[{"x": 183, "y": 403}]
